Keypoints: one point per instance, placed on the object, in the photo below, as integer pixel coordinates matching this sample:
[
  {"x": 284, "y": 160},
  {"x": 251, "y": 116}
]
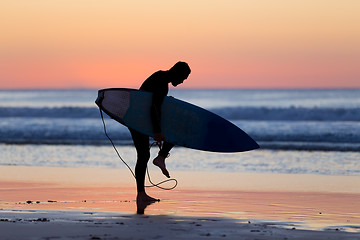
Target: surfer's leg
[
  {"x": 164, "y": 151},
  {"x": 141, "y": 143},
  {"x": 160, "y": 159}
]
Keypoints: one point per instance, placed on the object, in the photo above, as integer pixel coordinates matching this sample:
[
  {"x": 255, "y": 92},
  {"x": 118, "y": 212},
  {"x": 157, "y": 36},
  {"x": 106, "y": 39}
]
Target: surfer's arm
[
  {"x": 156, "y": 118},
  {"x": 156, "y": 112}
]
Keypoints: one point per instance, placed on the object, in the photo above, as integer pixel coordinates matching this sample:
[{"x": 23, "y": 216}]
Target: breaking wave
[{"x": 231, "y": 113}]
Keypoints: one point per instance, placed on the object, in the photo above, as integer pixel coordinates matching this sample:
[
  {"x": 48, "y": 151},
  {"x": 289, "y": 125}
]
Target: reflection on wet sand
[
  {"x": 313, "y": 209},
  {"x": 318, "y": 210}
]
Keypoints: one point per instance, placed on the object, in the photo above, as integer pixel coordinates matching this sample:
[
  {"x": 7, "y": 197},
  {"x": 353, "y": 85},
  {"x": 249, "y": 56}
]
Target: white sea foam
[{"x": 183, "y": 159}]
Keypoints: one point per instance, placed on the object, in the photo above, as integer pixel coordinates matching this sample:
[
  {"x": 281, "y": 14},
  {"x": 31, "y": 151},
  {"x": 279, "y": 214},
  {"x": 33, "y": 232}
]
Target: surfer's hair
[{"x": 181, "y": 68}]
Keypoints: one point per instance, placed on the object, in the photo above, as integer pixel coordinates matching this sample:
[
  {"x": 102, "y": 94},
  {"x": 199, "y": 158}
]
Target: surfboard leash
[
  {"x": 147, "y": 169},
  {"x": 162, "y": 182}
]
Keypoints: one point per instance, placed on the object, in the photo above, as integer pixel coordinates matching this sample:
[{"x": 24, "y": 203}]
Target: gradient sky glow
[{"x": 228, "y": 43}]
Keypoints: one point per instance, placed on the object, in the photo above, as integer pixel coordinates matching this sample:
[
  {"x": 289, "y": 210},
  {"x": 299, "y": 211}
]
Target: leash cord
[{"x": 147, "y": 170}]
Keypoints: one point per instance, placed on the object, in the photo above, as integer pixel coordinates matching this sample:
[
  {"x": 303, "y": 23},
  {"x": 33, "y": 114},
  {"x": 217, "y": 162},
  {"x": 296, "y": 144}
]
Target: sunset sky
[{"x": 227, "y": 43}]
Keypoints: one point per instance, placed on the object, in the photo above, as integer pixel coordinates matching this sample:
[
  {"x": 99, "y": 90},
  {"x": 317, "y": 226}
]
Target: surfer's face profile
[
  {"x": 178, "y": 81},
  {"x": 178, "y": 73}
]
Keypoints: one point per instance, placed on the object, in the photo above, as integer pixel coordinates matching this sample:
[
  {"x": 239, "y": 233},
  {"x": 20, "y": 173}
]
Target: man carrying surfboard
[{"x": 157, "y": 83}]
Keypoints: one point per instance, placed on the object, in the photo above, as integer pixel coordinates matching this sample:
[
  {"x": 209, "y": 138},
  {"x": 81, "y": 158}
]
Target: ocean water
[{"x": 299, "y": 131}]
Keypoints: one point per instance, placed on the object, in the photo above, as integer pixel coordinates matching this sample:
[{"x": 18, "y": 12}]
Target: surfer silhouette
[{"x": 157, "y": 83}]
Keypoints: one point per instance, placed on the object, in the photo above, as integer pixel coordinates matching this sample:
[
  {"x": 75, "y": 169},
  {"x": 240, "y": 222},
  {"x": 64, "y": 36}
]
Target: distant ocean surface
[{"x": 291, "y": 120}]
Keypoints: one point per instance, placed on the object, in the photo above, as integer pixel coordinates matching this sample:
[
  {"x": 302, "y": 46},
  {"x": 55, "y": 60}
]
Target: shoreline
[
  {"x": 307, "y": 202},
  {"x": 205, "y": 180}
]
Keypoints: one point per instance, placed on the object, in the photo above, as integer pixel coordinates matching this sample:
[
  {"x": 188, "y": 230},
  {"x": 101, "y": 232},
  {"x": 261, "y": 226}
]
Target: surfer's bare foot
[
  {"x": 142, "y": 201},
  {"x": 160, "y": 162},
  {"x": 143, "y": 197}
]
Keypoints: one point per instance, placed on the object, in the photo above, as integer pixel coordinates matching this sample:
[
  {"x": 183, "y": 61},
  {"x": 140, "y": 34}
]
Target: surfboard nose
[{"x": 99, "y": 98}]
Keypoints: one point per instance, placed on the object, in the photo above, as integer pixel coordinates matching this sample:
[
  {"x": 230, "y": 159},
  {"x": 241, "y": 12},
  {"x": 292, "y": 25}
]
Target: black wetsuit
[{"x": 157, "y": 83}]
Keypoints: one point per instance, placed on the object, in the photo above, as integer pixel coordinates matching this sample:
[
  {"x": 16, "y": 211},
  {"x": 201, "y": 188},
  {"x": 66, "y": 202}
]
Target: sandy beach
[{"x": 79, "y": 203}]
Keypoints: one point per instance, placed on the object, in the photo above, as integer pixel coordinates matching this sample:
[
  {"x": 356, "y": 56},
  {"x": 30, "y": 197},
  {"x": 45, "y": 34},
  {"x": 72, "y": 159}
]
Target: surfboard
[{"x": 182, "y": 123}]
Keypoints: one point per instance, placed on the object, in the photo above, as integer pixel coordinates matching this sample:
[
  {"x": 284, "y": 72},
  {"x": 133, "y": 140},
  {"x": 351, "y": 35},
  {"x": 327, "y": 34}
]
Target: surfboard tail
[{"x": 253, "y": 146}]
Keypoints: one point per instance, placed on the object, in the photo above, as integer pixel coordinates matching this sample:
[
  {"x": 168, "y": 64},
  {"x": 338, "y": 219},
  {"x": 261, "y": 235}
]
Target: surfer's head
[{"x": 179, "y": 72}]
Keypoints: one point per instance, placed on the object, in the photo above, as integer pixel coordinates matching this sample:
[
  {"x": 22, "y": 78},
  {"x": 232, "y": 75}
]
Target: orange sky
[{"x": 228, "y": 43}]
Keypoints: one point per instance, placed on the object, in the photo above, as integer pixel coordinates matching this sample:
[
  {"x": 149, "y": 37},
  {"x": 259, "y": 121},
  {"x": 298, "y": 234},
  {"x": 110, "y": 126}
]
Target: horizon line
[{"x": 185, "y": 88}]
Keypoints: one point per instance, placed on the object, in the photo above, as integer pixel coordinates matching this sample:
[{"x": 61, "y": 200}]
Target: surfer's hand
[{"x": 158, "y": 137}]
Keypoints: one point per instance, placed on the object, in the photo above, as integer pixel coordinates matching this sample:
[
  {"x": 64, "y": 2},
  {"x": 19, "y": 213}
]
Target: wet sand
[{"x": 100, "y": 204}]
